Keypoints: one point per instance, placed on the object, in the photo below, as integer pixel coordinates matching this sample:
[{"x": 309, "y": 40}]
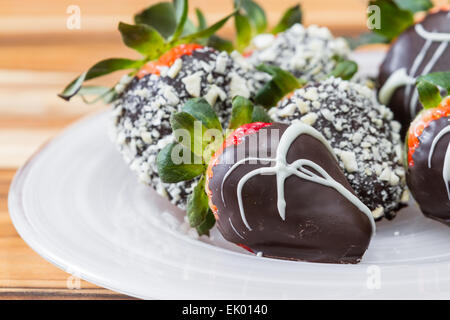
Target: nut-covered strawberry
[
  {"x": 428, "y": 149},
  {"x": 178, "y": 63},
  {"x": 161, "y": 88},
  {"x": 277, "y": 190},
  {"x": 310, "y": 53}
]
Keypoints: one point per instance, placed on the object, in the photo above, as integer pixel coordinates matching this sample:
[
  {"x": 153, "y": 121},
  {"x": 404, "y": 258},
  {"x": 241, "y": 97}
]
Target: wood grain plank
[
  {"x": 26, "y": 275},
  {"x": 315, "y": 10},
  {"x": 34, "y": 37},
  {"x": 59, "y": 294},
  {"x": 34, "y": 93},
  {"x": 31, "y": 113},
  {"x": 20, "y": 144},
  {"x": 20, "y": 137}
]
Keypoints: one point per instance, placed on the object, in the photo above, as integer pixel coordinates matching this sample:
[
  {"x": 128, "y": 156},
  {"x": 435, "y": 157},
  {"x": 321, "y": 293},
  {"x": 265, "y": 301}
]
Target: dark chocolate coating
[
  {"x": 427, "y": 184},
  {"x": 320, "y": 226},
  {"x": 357, "y": 112},
  {"x": 402, "y": 54}
]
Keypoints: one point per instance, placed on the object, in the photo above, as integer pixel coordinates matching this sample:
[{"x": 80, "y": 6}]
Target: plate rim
[
  {"x": 23, "y": 227},
  {"x": 21, "y": 223},
  {"x": 31, "y": 237}
]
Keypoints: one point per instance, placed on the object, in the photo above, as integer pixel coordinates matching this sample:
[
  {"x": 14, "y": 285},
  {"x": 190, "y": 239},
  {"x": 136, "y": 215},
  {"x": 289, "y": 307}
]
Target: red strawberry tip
[
  {"x": 422, "y": 121},
  {"x": 167, "y": 59}
]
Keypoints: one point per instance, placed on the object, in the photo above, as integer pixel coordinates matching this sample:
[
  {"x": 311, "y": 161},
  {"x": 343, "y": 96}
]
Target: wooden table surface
[{"x": 38, "y": 56}]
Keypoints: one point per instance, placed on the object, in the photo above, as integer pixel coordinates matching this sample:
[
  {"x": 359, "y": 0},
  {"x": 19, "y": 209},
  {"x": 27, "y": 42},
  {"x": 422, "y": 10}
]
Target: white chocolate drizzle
[
  {"x": 415, "y": 66},
  {"x": 283, "y": 170},
  {"x": 234, "y": 229},
  {"x": 446, "y": 167},
  {"x": 401, "y": 78},
  {"x": 397, "y": 79},
  {"x": 446, "y": 170},
  {"x": 433, "y": 36}
]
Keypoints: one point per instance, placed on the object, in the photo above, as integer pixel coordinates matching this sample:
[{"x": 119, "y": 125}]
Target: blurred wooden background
[{"x": 39, "y": 55}]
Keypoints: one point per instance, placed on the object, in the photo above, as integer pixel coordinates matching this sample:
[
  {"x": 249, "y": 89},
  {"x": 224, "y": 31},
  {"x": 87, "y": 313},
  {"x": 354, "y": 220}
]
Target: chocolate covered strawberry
[
  {"x": 420, "y": 49},
  {"x": 428, "y": 149},
  {"x": 277, "y": 190},
  {"x": 362, "y": 134},
  {"x": 310, "y": 53}
]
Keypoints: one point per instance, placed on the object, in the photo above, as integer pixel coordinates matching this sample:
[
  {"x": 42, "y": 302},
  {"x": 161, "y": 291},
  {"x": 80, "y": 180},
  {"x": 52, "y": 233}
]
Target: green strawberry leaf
[
  {"x": 207, "y": 224},
  {"x": 345, "y": 69},
  {"x": 189, "y": 132},
  {"x": 282, "y": 83},
  {"x": 393, "y": 19},
  {"x": 241, "y": 112},
  {"x": 99, "y": 69},
  {"x": 93, "y": 90},
  {"x": 153, "y": 26},
  {"x": 189, "y": 28},
  {"x": 205, "y": 33},
  {"x": 72, "y": 88},
  {"x": 176, "y": 163},
  {"x": 212, "y": 41},
  {"x": 197, "y": 204},
  {"x": 105, "y": 94},
  {"x": 260, "y": 115},
  {"x": 395, "y": 15},
  {"x": 160, "y": 16},
  {"x": 366, "y": 38},
  {"x": 255, "y": 14},
  {"x": 429, "y": 94},
  {"x": 220, "y": 44},
  {"x": 414, "y": 5},
  {"x": 243, "y": 31},
  {"x": 405, "y": 150},
  {"x": 212, "y": 135},
  {"x": 215, "y": 140},
  {"x": 292, "y": 16},
  {"x": 441, "y": 79},
  {"x": 181, "y": 12},
  {"x": 428, "y": 88},
  {"x": 144, "y": 39},
  {"x": 200, "y": 109},
  {"x": 202, "y": 24}
]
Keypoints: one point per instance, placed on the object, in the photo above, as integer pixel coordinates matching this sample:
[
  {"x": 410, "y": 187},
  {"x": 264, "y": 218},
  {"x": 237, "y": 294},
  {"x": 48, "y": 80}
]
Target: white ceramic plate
[{"x": 78, "y": 205}]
